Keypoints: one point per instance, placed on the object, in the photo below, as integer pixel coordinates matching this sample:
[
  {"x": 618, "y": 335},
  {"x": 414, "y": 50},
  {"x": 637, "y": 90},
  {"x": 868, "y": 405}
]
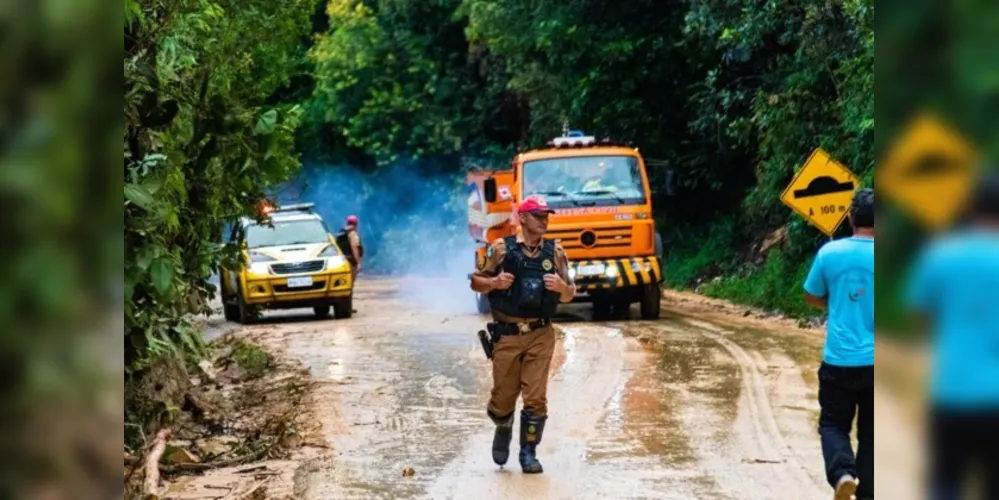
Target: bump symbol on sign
[
  {"x": 821, "y": 192},
  {"x": 824, "y": 185}
]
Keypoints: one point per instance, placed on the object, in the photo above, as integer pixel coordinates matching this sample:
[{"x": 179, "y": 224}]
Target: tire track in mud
[
  {"x": 768, "y": 454},
  {"x": 398, "y": 392}
]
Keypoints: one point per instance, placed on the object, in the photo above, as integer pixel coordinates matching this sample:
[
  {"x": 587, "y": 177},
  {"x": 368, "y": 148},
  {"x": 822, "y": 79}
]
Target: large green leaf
[
  {"x": 161, "y": 272},
  {"x": 266, "y": 123},
  {"x": 139, "y": 195},
  {"x": 146, "y": 257}
]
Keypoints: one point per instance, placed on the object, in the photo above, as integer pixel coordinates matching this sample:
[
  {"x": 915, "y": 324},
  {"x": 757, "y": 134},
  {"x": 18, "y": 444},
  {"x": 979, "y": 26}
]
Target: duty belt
[{"x": 519, "y": 328}]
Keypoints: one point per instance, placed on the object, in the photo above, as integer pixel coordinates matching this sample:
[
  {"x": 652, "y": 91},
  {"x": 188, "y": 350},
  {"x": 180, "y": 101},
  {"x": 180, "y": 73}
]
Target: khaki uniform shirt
[
  {"x": 354, "y": 239},
  {"x": 495, "y": 255}
]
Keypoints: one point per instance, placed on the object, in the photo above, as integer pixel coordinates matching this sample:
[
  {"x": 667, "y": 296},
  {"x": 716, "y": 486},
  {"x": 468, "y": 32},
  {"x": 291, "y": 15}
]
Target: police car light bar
[{"x": 298, "y": 207}]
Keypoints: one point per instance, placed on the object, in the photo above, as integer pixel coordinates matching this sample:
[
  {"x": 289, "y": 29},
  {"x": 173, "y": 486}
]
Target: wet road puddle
[
  {"x": 668, "y": 409},
  {"x": 398, "y": 395}
]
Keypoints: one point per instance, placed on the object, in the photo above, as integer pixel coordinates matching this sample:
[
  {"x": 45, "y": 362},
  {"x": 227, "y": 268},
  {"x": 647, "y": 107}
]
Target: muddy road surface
[{"x": 687, "y": 407}]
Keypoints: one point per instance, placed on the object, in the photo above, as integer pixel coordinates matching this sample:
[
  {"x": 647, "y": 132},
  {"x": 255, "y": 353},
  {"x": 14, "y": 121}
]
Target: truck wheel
[
  {"x": 651, "y": 306},
  {"x": 622, "y": 306},
  {"x": 322, "y": 311},
  {"x": 602, "y": 308},
  {"x": 482, "y": 303},
  {"x": 344, "y": 309}
]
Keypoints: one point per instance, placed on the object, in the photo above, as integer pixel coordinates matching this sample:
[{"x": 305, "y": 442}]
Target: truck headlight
[
  {"x": 641, "y": 266},
  {"x": 572, "y": 273},
  {"x": 611, "y": 272}
]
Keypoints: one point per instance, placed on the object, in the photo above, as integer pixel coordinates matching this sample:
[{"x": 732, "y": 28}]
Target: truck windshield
[
  {"x": 585, "y": 181},
  {"x": 299, "y": 232}
]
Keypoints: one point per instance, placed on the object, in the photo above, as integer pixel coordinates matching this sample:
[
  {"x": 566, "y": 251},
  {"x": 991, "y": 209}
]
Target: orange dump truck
[{"x": 603, "y": 218}]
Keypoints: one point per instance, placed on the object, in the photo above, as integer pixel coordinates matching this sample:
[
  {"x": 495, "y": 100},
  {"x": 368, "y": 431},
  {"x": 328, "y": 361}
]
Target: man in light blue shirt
[
  {"x": 842, "y": 281},
  {"x": 955, "y": 287}
]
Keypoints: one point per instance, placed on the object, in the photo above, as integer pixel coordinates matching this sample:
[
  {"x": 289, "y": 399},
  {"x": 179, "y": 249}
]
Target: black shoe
[
  {"x": 502, "y": 438},
  {"x": 531, "y": 430}
]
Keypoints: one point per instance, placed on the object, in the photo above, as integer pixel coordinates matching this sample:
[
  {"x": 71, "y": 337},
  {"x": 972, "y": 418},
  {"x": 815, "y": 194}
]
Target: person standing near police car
[
  {"x": 525, "y": 278},
  {"x": 350, "y": 244}
]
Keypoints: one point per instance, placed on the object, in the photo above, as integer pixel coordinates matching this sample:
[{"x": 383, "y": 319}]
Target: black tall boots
[
  {"x": 531, "y": 429},
  {"x": 502, "y": 438}
]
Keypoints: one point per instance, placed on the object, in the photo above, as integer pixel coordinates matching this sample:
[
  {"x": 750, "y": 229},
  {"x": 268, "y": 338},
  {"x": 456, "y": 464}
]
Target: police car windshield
[
  {"x": 586, "y": 181},
  {"x": 297, "y": 232}
]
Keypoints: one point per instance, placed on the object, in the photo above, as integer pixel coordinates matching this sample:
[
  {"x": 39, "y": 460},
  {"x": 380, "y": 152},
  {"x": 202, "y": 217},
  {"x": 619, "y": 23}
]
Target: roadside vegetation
[{"x": 224, "y": 101}]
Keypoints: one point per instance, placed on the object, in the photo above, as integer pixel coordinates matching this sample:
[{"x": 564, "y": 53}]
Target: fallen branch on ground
[
  {"x": 152, "y": 481},
  {"x": 217, "y": 465}
]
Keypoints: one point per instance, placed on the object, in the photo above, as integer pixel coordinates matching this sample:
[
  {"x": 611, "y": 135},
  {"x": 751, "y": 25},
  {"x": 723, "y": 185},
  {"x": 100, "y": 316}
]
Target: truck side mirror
[{"x": 489, "y": 186}]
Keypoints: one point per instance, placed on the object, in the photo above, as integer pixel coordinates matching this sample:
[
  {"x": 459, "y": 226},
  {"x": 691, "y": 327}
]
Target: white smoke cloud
[{"x": 413, "y": 225}]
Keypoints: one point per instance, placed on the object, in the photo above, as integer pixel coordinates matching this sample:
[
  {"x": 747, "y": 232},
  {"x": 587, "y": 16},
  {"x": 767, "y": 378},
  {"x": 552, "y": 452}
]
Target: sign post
[{"x": 822, "y": 192}]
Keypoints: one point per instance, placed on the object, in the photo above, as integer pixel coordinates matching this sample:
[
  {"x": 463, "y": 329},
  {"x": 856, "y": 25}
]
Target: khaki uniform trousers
[{"x": 521, "y": 365}]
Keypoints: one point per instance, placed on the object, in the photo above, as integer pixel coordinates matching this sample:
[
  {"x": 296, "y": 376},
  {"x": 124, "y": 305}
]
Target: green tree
[
  {"x": 203, "y": 144},
  {"x": 396, "y": 80}
]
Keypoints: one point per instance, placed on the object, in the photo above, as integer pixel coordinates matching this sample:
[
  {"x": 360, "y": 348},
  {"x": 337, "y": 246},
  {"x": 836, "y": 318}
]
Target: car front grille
[
  {"x": 318, "y": 285},
  {"x": 306, "y": 266}
]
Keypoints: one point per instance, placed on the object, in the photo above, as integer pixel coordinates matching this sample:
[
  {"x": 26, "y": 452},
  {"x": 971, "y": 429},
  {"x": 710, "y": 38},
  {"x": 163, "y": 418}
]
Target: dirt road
[{"x": 688, "y": 407}]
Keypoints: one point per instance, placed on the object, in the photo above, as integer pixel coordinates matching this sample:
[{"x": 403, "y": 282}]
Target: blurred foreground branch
[{"x": 152, "y": 481}]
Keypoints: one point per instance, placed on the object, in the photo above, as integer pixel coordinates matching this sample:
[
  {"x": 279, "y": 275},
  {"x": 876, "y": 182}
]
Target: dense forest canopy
[{"x": 733, "y": 97}]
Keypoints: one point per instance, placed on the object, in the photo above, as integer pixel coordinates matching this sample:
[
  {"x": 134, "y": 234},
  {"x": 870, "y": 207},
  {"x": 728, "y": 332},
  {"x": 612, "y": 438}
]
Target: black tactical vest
[
  {"x": 343, "y": 241},
  {"x": 528, "y": 297}
]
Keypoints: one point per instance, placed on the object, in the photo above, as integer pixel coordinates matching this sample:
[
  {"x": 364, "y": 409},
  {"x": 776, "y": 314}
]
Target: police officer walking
[{"x": 525, "y": 278}]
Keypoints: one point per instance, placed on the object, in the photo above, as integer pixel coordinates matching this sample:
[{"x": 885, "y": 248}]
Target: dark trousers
[
  {"x": 962, "y": 444},
  {"x": 846, "y": 393}
]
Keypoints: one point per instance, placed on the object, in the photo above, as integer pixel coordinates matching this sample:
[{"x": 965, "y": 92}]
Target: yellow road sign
[
  {"x": 822, "y": 192},
  {"x": 929, "y": 172}
]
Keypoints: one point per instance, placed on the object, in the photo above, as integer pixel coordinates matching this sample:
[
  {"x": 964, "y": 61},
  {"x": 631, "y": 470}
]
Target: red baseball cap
[
  {"x": 534, "y": 204},
  {"x": 352, "y": 219}
]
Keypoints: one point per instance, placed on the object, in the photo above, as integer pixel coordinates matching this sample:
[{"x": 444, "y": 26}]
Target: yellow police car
[{"x": 291, "y": 261}]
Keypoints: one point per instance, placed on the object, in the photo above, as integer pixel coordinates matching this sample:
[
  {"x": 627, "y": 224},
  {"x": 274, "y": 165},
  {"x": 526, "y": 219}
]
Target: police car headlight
[
  {"x": 329, "y": 251},
  {"x": 261, "y": 257},
  {"x": 335, "y": 262},
  {"x": 260, "y": 268}
]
